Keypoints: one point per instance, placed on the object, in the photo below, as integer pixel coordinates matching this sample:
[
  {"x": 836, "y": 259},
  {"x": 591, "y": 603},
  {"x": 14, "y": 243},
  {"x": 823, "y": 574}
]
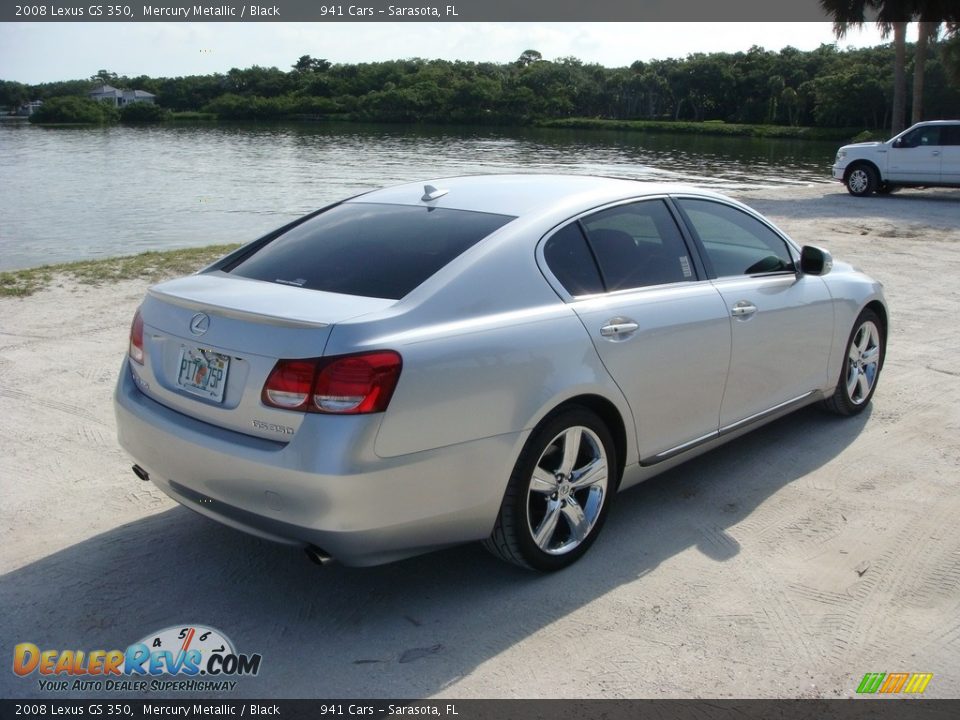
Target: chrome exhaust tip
[
  {"x": 317, "y": 555},
  {"x": 141, "y": 473}
]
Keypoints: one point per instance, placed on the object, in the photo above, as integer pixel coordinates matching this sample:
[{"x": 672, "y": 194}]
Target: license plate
[{"x": 203, "y": 373}]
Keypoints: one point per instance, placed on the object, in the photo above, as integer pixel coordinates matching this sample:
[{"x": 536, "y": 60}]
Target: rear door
[
  {"x": 660, "y": 328},
  {"x": 950, "y": 157},
  {"x": 782, "y": 322}
]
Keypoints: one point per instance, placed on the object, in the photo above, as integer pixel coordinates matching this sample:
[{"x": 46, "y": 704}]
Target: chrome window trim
[{"x": 562, "y": 291}]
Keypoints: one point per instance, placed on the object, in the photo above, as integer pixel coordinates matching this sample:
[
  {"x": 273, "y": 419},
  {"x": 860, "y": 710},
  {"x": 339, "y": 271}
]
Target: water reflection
[{"x": 77, "y": 193}]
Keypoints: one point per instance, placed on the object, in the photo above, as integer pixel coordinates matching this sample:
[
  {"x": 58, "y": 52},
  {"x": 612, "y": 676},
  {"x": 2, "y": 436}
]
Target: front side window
[
  {"x": 921, "y": 137},
  {"x": 367, "y": 249},
  {"x": 735, "y": 242}
]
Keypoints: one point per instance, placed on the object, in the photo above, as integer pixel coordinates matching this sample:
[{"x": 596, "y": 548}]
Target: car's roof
[{"x": 520, "y": 195}]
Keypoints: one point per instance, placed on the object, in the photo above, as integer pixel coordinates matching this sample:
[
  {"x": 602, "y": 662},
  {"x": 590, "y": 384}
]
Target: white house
[
  {"x": 119, "y": 98},
  {"x": 28, "y": 108}
]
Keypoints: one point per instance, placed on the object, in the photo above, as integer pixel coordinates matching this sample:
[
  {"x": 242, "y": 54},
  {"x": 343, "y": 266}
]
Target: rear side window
[
  {"x": 638, "y": 245},
  {"x": 368, "y": 249},
  {"x": 571, "y": 262}
]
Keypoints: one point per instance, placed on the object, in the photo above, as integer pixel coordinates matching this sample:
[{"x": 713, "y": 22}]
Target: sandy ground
[{"x": 786, "y": 564}]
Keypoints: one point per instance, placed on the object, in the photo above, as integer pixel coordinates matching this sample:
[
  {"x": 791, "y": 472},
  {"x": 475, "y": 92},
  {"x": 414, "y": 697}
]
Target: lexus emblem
[{"x": 199, "y": 323}]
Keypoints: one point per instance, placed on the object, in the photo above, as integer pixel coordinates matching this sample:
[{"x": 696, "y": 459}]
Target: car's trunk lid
[{"x": 216, "y": 323}]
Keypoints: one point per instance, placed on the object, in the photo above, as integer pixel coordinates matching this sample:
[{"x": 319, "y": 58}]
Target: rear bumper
[{"x": 326, "y": 487}]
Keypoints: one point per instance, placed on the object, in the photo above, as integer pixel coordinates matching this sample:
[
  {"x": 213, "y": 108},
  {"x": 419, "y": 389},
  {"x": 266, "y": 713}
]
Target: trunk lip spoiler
[{"x": 234, "y": 313}]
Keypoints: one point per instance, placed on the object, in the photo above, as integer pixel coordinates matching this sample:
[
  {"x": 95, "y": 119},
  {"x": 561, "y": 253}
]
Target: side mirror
[
  {"x": 898, "y": 143},
  {"x": 815, "y": 261}
]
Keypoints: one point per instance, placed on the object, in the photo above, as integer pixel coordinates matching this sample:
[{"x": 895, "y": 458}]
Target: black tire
[
  {"x": 861, "y": 180},
  {"x": 886, "y": 188},
  {"x": 568, "y": 517},
  {"x": 863, "y": 361}
]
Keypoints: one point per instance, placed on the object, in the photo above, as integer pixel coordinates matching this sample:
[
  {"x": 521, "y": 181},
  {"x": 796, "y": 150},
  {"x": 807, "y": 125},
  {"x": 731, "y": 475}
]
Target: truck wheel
[{"x": 862, "y": 180}]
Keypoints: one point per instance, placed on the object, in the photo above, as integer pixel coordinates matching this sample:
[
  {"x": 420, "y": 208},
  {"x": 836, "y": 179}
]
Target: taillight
[
  {"x": 136, "y": 338},
  {"x": 343, "y": 385},
  {"x": 290, "y": 383}
]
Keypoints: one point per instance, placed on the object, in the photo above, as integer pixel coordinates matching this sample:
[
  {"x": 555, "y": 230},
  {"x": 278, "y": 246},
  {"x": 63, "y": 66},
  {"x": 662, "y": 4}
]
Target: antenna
[{"x": 431, "y": 193}]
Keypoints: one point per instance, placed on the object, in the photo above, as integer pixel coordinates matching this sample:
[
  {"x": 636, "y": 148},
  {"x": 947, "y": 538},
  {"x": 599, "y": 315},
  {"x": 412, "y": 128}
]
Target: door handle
[
  {"x": 619, "y": 328},
  {"x": 935, "y": 153},
  {"x": 743, "y": 309}
]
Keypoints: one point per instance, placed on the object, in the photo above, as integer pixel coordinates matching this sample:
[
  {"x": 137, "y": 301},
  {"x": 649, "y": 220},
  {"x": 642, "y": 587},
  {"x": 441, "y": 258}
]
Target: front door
[
  {"x": 916, "y": 157},
  {"x": 781, "y": 321}
]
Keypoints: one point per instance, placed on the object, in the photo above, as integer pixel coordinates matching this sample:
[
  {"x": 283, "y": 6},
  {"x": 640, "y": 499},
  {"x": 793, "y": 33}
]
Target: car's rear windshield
[{"x": 368, "y": 249}]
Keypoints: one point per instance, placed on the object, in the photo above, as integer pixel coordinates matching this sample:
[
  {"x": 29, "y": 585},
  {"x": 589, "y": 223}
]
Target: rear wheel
[
  {"x": 861, "y": 368},
  {"x": 559, "y": 493},
  {"x": 861, "y": 180}
]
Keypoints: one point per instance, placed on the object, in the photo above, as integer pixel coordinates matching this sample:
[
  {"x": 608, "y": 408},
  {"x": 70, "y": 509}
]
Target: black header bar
[{"x": 414, "y": 11}]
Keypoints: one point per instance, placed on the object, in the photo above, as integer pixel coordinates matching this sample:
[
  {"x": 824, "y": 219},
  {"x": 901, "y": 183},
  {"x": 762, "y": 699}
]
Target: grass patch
[
  {"x": 152, "y": 266},
  {"x": 192, "y": 115},
  {"x": 710, "y": 127}
]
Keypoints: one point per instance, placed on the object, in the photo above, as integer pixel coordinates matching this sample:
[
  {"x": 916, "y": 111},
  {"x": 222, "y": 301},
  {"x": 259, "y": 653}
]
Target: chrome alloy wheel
[
  {"x": 567, "y": 490},
  {"x": 863, "y": 362},
  {"x": 859, "y": 181}
]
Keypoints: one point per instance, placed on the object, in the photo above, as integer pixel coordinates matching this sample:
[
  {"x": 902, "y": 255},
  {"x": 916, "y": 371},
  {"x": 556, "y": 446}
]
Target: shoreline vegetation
[
  {"x": 716, "y": 127},
  {"x": 708, "y": 127},
  {"x": 826, "y": 93},
  {"x": 153, "y": 265}
]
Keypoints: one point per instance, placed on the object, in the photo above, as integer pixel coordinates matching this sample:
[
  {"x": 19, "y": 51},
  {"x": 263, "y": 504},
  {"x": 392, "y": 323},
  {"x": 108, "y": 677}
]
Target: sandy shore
[{"x": 787, "y": 564}]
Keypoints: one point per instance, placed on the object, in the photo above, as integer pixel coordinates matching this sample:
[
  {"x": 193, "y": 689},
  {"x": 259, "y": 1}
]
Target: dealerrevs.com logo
[{"x": 196, "y": 657}]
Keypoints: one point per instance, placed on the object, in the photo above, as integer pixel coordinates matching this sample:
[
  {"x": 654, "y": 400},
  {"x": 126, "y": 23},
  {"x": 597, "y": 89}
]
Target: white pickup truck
[{"x": 925, "y": 155}]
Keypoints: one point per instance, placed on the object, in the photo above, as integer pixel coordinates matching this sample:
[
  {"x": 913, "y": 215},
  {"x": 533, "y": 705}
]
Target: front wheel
[
  {"x": 559, "y": 493},
  {"x": 863, "y": 361},
  {"x": 861, "y": 180}
]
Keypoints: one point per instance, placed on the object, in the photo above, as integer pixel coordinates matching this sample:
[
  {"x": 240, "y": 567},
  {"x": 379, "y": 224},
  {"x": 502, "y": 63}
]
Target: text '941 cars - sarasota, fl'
[{"x": 482, "y": 358}]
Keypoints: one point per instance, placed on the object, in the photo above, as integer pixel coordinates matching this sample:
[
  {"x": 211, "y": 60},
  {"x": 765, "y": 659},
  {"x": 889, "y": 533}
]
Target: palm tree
[
  {"x": 932, "y": 15},
  {"x": 926, "y": 30},
  {"x": 891, "y": 16}
]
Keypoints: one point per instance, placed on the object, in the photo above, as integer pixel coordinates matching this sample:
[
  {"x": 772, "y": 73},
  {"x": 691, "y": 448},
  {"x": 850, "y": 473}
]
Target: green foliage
[
  {"x": 13, "y": 94},
  {"x": 826, "y": 87},
  {"x": 74, "y": 110},
  {"x": 143, "y": 112},
  {"x": 255, "y": 107}
]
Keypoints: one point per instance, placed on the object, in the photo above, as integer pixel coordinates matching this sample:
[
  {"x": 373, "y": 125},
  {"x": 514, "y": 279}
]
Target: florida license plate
[{"x": 203, "y": 373}]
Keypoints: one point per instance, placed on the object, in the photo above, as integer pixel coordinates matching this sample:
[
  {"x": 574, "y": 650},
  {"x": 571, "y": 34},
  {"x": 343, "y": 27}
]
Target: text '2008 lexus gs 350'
[{"x": 482, "y": 358}]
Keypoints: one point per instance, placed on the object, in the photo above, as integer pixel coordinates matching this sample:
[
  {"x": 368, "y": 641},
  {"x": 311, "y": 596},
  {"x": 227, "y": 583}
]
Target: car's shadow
[{"x": 409, "y": 629}]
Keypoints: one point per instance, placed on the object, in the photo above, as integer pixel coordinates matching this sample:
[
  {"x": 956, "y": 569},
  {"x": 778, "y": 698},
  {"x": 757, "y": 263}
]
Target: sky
[{"x": 42, "y": 52}]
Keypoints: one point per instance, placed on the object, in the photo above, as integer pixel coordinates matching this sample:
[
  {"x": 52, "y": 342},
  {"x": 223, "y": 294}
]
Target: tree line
[{"x": 826, "y": 87}]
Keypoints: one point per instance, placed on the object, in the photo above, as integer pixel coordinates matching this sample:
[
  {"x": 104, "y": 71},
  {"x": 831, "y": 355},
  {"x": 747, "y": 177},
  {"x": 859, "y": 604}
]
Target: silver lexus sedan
[{"x": 482, "y": 358}]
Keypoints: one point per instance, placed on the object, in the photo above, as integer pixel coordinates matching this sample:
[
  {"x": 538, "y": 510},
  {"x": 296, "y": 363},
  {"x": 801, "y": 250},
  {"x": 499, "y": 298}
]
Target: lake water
[{"x": 75, "y": 193}]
